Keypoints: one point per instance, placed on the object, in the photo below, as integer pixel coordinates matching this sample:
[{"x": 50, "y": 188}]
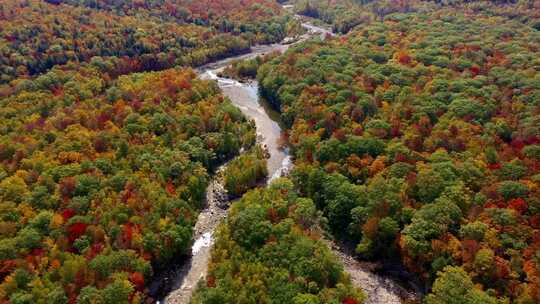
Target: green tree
[
  {"x": 430, "y": 222},
  {"x": 13, "y": 189},
  {"x": 117, "y": 292},
  {"x": 511, "y": 189},
  {"x": 454, "y": 286}
]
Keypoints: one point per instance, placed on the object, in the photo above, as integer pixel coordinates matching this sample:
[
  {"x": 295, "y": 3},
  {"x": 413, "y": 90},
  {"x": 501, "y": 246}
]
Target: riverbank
[{"x": 245, "y": 97}]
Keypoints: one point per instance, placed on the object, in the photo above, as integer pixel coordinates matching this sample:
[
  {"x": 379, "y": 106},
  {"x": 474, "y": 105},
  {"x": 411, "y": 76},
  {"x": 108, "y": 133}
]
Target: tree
[
  {"x": 339, "y": 208},
  {"x": 305, "y": 213},
  {"x": 251, "y": 228},
  {"x": 483, "y": 261},
  {"x": 90, "y": 295},
  {"x": 245, "y": 171},
  {"x": 430, "y": 185},
  {"x": 28, "y": 238},
  {"x": 117, "y": 292},
  {"x": 306, "y": 299},
  {"x": 473, "y": 231},
  {"x": 454, "y": 286},
  {"x": 13, "y": 189},
  {"x": 430, "y": 222},
  {"x": 511, "y": 189}
]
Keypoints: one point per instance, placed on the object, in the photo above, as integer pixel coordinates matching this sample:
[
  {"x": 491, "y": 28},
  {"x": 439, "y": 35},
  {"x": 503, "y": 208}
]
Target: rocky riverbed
[
  {"x": 196, "y": 268},
  {"x": 379, "y": 289},
  {"x": 183, "y": 280}
]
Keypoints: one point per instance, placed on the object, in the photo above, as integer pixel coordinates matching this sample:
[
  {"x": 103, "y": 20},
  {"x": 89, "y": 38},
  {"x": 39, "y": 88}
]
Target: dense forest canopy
[
  {"x": 103, "y": 171},
  {"x": 345, "y": 15},
  {"x": 419, "y": 138},
  {"x": 270, "y": 251},
  {"x": 101, "y": 179},
  {"x": 127, "y": 38},
  {"x": 415, "y": 134}
]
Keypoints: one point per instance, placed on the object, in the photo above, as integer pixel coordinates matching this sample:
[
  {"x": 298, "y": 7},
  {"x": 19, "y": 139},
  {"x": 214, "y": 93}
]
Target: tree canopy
[
  {"x": 269, "y": 250},
  {"x": 416, "y": 134},
  {"x": 101, "y": 179}
]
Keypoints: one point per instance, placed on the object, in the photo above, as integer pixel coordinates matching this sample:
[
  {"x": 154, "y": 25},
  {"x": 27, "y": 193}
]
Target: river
[{"x": 182, "y": 279}]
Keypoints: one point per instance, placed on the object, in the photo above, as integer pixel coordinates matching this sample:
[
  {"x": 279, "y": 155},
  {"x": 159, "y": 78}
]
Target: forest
[
  {"x": 101, "y": 181},
  {"x": 345, "y": 15},
  {"x": 131, "y": 36},
  {"x": 414, "y": 133},
  {"x": 103, "y": 171},
  {"x": 418, "y": 136},
  {"x": 270, "y": 250}
]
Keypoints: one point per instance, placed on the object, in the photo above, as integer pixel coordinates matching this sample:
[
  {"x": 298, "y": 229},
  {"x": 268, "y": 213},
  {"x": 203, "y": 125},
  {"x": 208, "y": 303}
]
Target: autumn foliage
[
  {"x": 417, "y": 135},
  {"x": 105, "y": 187},
  {"x": 121, "y": 37}
]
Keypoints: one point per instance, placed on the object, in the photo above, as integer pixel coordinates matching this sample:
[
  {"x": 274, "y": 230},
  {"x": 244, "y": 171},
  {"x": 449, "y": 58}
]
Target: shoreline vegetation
[
  {"x": 269, "y": 248},
  {"x": 414, "y": 133},
  {"x": 104, "y": 170}
]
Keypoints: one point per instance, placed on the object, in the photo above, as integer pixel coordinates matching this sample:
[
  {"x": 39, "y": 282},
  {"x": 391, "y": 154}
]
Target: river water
[{"x": 183, "y": 279}]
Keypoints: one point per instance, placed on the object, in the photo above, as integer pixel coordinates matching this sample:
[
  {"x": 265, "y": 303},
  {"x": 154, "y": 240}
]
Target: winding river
[{"x": 183, "y": 279}]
